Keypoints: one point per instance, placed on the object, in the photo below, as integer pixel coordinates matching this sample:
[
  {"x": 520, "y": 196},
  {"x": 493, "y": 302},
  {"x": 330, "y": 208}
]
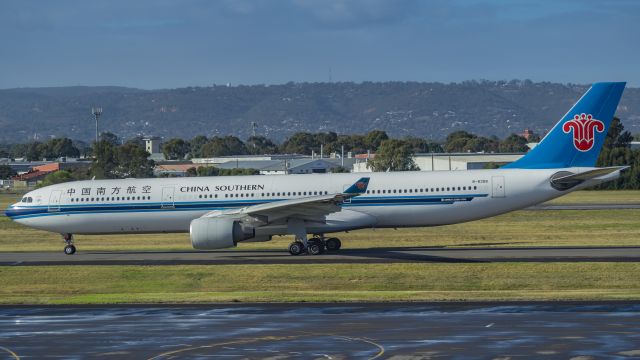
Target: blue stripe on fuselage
[{"x": 19, "y": 212}]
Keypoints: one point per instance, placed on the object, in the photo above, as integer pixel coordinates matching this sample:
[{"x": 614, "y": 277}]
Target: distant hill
[{"x": 430, "y": 110}]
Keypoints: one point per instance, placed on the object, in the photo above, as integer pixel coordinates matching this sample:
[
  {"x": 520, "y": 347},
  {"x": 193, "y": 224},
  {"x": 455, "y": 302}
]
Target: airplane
[{"x": 220, "y": 212}]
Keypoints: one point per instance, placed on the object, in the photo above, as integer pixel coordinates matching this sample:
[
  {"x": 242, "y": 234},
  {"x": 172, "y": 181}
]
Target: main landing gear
[
  {"x": 315, "y": 246},
  {"x": 69, "y": 249}
]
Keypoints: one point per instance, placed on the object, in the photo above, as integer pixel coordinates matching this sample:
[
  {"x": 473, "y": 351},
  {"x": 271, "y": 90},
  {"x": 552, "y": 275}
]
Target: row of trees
[
  {"x": 299, "y": 143},
  {"x": 308, "y": 143}
]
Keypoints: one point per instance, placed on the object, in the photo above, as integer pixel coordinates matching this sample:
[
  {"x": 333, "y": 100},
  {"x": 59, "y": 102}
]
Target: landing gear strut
[{"x": 69, "y": 249}]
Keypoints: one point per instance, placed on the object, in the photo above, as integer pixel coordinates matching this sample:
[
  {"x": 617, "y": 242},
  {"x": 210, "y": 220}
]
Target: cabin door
[
  {"x": 498, "y": 187},
  {"x": 168, "y": 201},
  {"x": 54, "y": 200}
]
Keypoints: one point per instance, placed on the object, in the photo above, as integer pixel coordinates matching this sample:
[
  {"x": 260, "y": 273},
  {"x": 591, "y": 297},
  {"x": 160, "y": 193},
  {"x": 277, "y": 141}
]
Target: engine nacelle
[{"x": 212, "y": 233}]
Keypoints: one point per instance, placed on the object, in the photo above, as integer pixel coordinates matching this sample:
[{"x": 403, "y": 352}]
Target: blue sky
[{"x": 167, "y": 44}]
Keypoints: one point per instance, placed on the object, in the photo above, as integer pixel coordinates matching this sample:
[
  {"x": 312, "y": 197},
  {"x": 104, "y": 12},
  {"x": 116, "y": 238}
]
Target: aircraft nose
[{"x": 12, "y": 211}]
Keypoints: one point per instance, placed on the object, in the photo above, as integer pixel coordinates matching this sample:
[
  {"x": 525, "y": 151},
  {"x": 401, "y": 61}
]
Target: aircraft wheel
[
  {"x": 296, "y": 248},
  {"x": 69, "y": 249},
  {"x": 333, "y": 244},
  {"x": 315, "y": 248}
]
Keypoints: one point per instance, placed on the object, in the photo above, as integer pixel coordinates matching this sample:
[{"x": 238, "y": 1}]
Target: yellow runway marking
[
  {"x": 267, "y": 338},
  {"x": 15, "y": 356}
]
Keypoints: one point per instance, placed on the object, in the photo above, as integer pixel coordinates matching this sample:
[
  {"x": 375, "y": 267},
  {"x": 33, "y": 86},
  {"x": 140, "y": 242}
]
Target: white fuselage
[{"x": 393, "y": 199}]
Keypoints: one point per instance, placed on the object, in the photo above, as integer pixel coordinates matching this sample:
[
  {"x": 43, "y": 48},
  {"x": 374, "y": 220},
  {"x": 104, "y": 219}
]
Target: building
[
  {"x": 462, "y": 161},
  {"x": 450, "y": 161},
  {"x": 172, "y": 170},
  {"x": 153, "y": 145}
]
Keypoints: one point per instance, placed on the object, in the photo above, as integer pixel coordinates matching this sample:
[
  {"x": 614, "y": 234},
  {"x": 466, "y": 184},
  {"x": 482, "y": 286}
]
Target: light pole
[{"x": 96, "y": 111}]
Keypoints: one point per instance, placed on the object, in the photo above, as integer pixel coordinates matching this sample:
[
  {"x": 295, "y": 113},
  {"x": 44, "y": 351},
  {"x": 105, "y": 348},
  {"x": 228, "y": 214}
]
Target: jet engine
[{"x": 217, "y": 233}]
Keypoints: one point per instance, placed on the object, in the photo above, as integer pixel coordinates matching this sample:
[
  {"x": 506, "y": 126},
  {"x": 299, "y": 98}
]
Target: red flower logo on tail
[
  {"x": 584, "y": 127},
  {"x": 361, "y": 185}
]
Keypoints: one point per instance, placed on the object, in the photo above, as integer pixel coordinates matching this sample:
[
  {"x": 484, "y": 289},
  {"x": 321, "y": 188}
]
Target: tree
[
  {"x": 196, "y": 145},
  {"x": 258, "y": 145},
  {"x": 32, "y": 151},
  {"x": 419, "y": 145},
  {"x": 137, "y": 140},
  {"x": 132, "y": 160},
  {"x": 175, "y": 149},
  {"x": 59, "y": 147},
  {"x": 374, "y": 139},
  {"x": 514, "y": 143},
  {"x": 457, "y": 141},
  {"x": 109, "y": 137},
  {"x": 393, "y": 155},
  {"x": 6, "y": 172},
  {"x": 104, "y": 160},
  {"x": 299, "y": 143},
  {"x": 57, "y": 177},
  {"x": 224, "y": 146}
]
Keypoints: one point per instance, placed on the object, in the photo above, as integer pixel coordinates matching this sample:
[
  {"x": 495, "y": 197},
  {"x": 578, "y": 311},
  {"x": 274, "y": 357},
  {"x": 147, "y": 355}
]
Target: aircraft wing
[{"x": 312, "y": 208}]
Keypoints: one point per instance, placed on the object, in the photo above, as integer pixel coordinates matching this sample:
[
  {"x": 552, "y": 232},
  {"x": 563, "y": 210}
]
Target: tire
[
  {"x": 333, "y": 244},
  {"x": 315, "y": 248},
  {"x": 69, "y": 249},
  {"x": 296, "y": 248}
]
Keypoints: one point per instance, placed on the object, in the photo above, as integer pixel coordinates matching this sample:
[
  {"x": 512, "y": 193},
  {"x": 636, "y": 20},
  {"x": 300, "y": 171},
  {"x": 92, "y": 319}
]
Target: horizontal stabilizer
[{"x": 565, "y": 180}]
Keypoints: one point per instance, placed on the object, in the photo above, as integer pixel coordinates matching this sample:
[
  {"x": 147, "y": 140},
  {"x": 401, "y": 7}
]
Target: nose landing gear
[{"x": 69, "y": 249}]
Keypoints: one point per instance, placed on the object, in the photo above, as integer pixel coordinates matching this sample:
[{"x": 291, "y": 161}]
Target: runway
[
  {"x": 354, "y": 331},
  {"x": 374, "y": 255}
]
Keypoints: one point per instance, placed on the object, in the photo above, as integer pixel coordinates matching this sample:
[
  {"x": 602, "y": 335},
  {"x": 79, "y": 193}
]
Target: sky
[{"x": 153, "y": 44}]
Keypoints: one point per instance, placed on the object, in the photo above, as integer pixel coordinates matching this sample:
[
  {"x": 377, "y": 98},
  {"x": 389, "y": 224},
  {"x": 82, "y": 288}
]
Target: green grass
[
  {"x": 599, "y": 197},
  {"x": 318, "y": 283},
  {"x": 520, "y": 228}
]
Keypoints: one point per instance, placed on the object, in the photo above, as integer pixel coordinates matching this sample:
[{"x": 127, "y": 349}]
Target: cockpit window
[{"x": 24, "y": 199}]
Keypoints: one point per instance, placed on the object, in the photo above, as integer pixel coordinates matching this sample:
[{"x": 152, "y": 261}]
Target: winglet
[{"x": 360, "y": 186}]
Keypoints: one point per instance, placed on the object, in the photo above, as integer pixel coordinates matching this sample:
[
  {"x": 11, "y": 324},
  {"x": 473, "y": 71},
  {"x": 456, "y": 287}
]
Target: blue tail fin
[{"x": 576, "y": 140}]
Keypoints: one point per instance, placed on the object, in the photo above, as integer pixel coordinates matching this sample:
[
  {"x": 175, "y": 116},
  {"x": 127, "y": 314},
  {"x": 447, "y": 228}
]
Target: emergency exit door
[{"x": 498, "y": 186}]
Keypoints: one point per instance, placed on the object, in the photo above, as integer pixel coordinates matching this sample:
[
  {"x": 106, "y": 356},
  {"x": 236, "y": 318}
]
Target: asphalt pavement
[
  {"x": 307, "y": 331},
  {"x": 374, "y": 255}
]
